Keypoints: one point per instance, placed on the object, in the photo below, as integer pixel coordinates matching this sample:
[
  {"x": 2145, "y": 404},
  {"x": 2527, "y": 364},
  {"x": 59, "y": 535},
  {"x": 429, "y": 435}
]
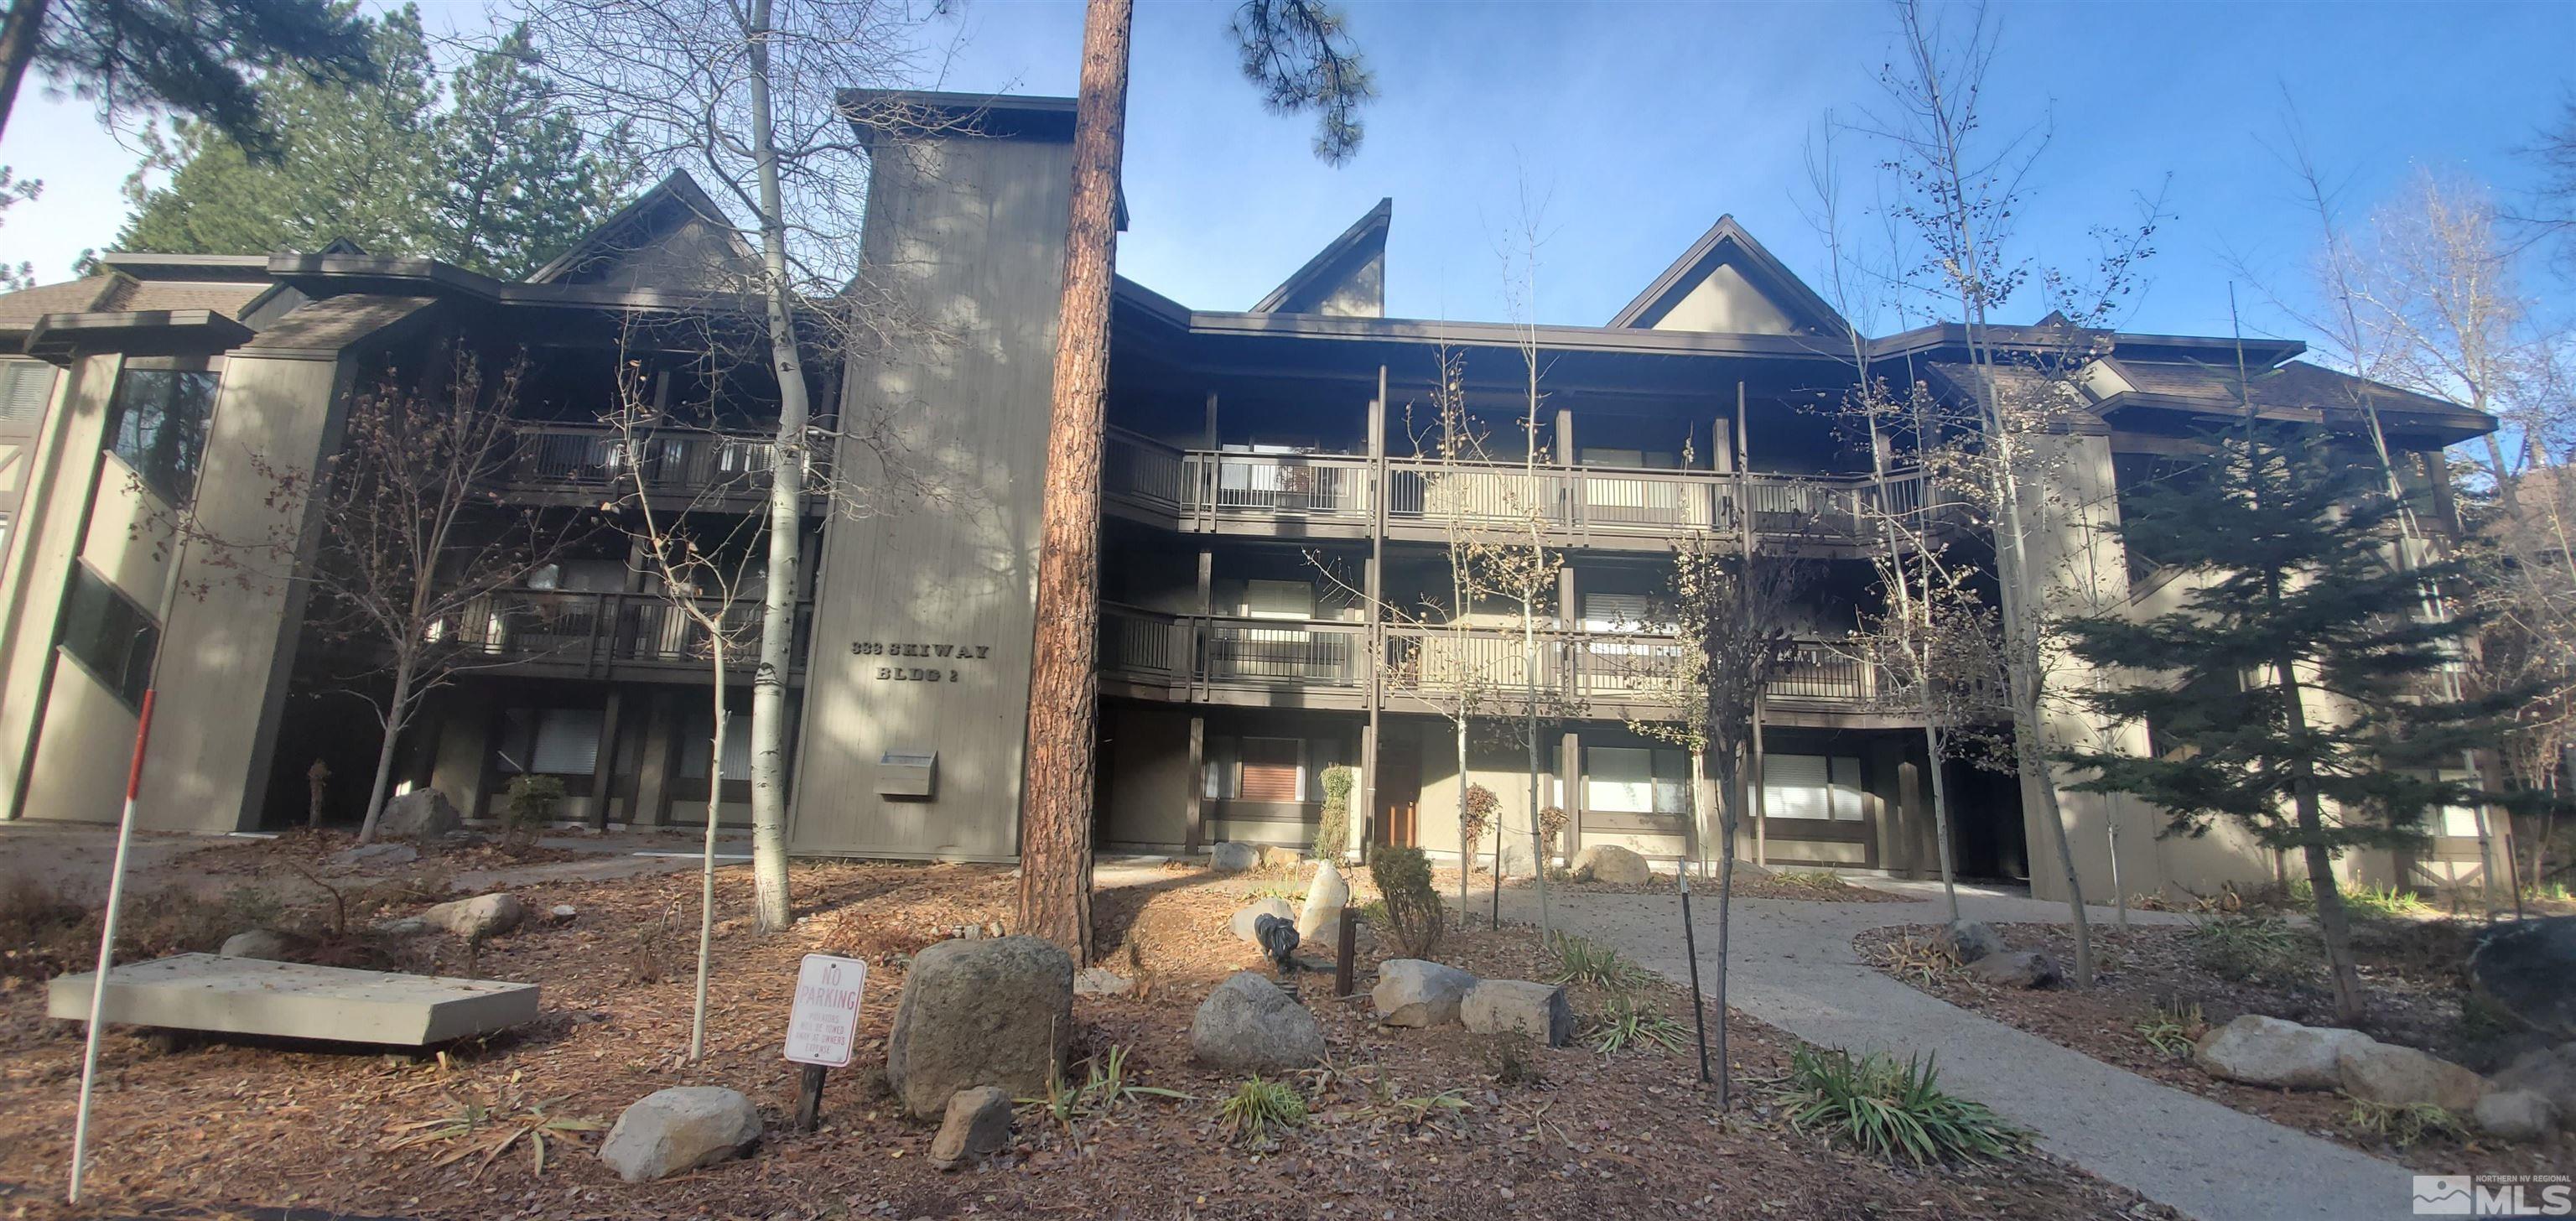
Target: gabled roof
[
  {"x": 1346, "y": 278},
  {"x": 663, "y": 215},
  {"x": 1727, "y": 247}
]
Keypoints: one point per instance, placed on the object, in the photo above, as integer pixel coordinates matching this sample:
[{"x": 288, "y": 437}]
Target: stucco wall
[
  {"x": 48, "y": 537},
  {"x": 225, "y": 656}
]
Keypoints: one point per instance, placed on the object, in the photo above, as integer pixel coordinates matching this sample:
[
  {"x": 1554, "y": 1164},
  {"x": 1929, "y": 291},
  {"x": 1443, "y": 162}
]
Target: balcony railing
[
  {"x": 604, "y": 632},
  {"x": 597, "y": 457},
  {"x": 1437, "y": 663},
  {"x": 1205, "y": 487}
]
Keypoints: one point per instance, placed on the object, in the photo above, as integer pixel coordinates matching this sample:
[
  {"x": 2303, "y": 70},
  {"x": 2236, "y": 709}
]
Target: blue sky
[{"x": 1639, "y": 124}]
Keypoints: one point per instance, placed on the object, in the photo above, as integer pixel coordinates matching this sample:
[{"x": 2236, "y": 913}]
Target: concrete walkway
[{"x": 1793, "y": 966}]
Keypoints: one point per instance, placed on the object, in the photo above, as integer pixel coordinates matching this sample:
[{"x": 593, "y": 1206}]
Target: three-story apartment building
[{"x": 1278, "y": 538}]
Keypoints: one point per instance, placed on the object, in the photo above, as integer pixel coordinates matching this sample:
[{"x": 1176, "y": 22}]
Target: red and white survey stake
[{"x": 107, "y": 944}]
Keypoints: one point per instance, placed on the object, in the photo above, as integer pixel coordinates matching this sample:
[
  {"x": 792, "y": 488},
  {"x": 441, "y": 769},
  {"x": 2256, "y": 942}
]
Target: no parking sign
[{"x": 823, "y": 1025}]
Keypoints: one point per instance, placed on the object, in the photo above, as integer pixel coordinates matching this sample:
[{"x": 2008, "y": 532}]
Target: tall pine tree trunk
[
  {"x": 2333, "y": 923},
  {"x": 19, "y": 34},
  {"x": 786, "y": 515},
  {"x": 1064, "y": 678}
]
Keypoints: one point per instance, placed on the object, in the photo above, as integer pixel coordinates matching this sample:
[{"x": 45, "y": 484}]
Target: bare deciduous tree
[
  {"x": 747, "y": 96},
  {"x": 1732, "y": 615}
]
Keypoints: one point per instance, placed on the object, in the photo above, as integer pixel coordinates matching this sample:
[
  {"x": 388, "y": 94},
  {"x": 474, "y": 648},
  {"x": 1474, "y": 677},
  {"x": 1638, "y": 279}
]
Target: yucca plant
[
  {"x": 2402, "y": 1125},
  {"x": 1921, "y": 959},
  {"x": 2243, "y": 947},
  {"x": 1888, "y": 1110},
  {"x": 1588, "y": 962},
  {"x": 1104, "y": 1086},
  {"x": 1628, "y": 1024},
  {"x": 1258, "y": 1107},
  {"x": 2173, "y": 1028}
]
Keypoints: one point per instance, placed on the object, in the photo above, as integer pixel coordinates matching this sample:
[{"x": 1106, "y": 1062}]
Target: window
[
  {"x": 1617, "y": 612},
  {"x": 26, "y": 386},
  {"x": 737, "y": 747},
  {"x": 1636, "y": 780},
  {"x": 1811, "y": 786},
  {"x": 1265, "y": 769},
  {"x": 1270, "y": 769},
  {"x": 157, "y": 425},
  {"x": 1278, "y": 600},
  {"x": 109, "y": 636},
  {"x": 549, "y": 741}
]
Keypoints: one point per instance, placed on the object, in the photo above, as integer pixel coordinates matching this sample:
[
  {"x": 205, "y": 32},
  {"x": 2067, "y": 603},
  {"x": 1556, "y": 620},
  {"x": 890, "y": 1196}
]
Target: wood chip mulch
[
  {"x": 226, "y": 1124},
  {"x": 2411, "y": 974}
]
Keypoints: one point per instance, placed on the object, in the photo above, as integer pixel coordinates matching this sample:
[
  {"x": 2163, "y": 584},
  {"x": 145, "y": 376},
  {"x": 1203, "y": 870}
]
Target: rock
[
  {"x": 478, "y": 917},
  {"x": 419, "y": 815},
  {"x": 562, "y": 913},
  {"x": 2402, "y": 1076},
  {"x": 1612, "y": 864},
  {"x": 1248, "y": 1024},
  {"x": 679, "y": 1129},
  {"x": 1320, "y": 924},
  {"x": 994, "y": 1011},
  {"x": 1512, "y": 1006},
  {"x": 1234, "y": 858},
  {"x": 2550, "y": 1073},
  {"x": 2528, "y": 969},
  {"x": 1274, "y": 856},
  {"x": 977, "y": 1124},
  {"x": 256, "y": 943},
  {"x": 2026, "y": 969},
  {"x": 1243, "y": 923},
  {"x": 2516, "y": 1115},
  {"x": 1747, "y": 869},
  {"x": 1101, "y": 981},
  {"x": 382, "y": 854},
  {"x": 1517, "y": 857},
  {"x": 1971, "y": 940},
  {"x": 2259, "y": 1050},
  {"x": 1413, "y": 992},
  {"x": 408, "y": 926}
]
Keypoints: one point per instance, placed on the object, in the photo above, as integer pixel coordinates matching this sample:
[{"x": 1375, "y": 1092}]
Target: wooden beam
[{"x": 1195, "y": 809}]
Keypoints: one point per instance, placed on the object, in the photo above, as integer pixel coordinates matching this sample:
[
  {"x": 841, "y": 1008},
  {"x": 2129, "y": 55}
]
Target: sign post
[{"x": 823, "y": 1026}]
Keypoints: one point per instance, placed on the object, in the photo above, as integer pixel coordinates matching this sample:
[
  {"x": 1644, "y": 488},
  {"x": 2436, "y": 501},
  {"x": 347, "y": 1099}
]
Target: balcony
[
  {"x": 1217, "y": 659},
  {"x": 591, "y": 462},
  {"x": 615, "y": 635},
  {"x": 1330, "y": 495}
]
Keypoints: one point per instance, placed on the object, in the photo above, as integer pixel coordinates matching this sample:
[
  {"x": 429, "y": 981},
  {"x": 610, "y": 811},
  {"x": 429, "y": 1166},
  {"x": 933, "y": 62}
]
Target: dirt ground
[
  {"x": 2410, "y": 970},
  {"x": 231, "y": 1123}
]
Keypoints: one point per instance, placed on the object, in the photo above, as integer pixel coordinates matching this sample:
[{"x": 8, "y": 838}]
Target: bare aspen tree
[
  {"x": 1442, "y": 667},
  {"x": 1931, "y": 641},
  {"x": 1963, "y": 187},
  {"x": 747, "y": 97},
  {"x": 1732, "y": 615},
  {"x": 701, "y": 554}
]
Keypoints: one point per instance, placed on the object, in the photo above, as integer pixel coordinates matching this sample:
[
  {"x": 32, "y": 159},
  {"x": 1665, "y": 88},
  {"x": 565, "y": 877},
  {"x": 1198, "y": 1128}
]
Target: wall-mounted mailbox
[{"x": 907, "y": 773}]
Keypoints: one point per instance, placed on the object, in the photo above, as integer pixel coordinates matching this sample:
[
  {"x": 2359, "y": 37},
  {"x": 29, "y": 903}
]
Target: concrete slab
[{"x": 288, "y": 999}]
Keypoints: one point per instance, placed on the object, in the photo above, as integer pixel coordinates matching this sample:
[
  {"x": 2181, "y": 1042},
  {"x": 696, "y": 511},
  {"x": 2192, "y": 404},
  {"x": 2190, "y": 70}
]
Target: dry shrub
[
  {"x": 40, "y": 929},
  {"x": 1413, "y": 911}
]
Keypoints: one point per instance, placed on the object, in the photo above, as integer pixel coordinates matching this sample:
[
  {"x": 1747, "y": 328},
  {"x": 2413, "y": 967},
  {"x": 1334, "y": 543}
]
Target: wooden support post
[
  {"x": 603, "y": 769},
  {"x": 1194, "y": 811},
  {"x": 809, "y": 1099},
  {"x": 1342, "y": 954},
  {"x": 1570, "y": 765}
]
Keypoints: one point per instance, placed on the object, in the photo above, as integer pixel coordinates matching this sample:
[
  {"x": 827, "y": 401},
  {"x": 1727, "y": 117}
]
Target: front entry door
[{"x": 1399, "y": 790}]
